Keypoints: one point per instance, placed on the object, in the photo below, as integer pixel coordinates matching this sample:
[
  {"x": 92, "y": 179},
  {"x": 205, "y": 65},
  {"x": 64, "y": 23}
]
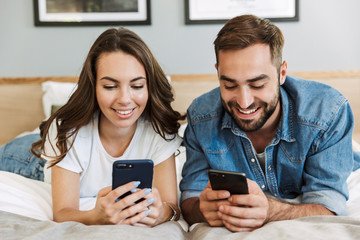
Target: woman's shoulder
[
  {"x": 145, "y": 129},
  {"x": 152, "y": 144},
  {"x": 91, "y": 128}
]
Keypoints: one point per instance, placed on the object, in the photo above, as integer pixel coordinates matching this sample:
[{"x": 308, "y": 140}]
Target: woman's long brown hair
[{"x": 78, "y": 111}]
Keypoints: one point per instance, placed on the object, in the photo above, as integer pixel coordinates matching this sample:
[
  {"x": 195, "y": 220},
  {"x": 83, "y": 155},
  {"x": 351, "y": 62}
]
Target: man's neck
[
  {"x": 262, "y": 137},
  {"x": 260, "y": 140}
]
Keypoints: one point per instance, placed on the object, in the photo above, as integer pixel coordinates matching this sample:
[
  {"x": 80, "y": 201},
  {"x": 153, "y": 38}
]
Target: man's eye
[
  {"x": 229, "y": 87},
  {"x": 258, "y": 87}
]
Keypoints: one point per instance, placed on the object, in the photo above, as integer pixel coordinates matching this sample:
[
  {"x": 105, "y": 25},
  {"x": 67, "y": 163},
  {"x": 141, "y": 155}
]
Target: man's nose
[{"x": 245, "y": 98}]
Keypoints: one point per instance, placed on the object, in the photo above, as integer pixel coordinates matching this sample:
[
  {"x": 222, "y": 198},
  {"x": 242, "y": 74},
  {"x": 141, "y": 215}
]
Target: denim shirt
[{"x": 310, "y": 156}]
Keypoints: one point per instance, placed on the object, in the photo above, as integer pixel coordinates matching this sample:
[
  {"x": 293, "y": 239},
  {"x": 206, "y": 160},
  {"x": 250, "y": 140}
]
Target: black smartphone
[
  {"x": 125, "y": 171},
  {"x": 234, "y": 182}
]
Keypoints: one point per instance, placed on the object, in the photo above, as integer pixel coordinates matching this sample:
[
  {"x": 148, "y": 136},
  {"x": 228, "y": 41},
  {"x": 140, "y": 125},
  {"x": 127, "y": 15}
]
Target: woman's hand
[
  {"x": 109, "y": 210},
  {"x": 158, "y": 210}
]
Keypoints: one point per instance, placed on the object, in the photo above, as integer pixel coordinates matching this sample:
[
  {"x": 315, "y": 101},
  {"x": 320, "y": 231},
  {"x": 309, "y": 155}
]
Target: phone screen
[{"x": 234, "y": 182}]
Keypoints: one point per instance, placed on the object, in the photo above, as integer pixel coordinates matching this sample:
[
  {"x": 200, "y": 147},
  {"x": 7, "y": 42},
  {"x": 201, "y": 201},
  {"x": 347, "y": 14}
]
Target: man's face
[{"x": 250, "y": 86}]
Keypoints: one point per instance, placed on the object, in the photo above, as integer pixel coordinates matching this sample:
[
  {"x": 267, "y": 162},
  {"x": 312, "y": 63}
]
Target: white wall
[{"x": 326, "y": 38}]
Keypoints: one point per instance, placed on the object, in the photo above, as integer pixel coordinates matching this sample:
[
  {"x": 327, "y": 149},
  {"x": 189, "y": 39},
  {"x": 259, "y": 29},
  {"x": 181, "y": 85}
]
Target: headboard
[{"x": 21, "y": 104}]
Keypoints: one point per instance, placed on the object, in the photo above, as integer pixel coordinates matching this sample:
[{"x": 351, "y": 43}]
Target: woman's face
[{"x": 121, "y": 89}]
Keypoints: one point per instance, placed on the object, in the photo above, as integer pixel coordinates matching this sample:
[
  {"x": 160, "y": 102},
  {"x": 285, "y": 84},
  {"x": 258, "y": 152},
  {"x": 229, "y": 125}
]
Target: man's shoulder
[
  {"x": 313, "y": 102},
  {"x": 206, "y": 106},
  {"x": 308, "y": 88}
]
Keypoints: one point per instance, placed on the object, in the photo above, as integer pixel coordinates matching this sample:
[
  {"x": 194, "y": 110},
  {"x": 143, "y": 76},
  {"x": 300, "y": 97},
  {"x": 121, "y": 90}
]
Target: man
[{"x": 291, "y": 137}]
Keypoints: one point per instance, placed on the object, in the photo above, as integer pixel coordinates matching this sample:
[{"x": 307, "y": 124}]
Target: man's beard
[{"x": 252, "y": 125}]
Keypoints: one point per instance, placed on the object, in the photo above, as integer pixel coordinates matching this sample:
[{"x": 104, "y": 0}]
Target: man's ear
[
  {"x": 216, "y": 66},
  {"x": 283, "y": 71}
]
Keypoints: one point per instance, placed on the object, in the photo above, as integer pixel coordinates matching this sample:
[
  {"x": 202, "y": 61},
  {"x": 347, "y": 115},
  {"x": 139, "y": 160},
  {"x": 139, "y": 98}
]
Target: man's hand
[
  {"x": 250, "y": 211},
  {"x": 246, "y": 212},
  {"x": 209, "y": 203}
]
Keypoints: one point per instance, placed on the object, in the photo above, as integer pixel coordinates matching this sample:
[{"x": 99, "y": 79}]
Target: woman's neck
[{"x": 115, "y": 140}]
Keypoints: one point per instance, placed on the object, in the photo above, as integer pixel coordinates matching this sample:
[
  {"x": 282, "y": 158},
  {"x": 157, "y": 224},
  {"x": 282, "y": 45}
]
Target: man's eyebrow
[
  {"x": 258, "y": 78},
  {"x": 225, "y": 78},
  {"x": 116, "y": 81},
  {"x": 251, "y": 80}
]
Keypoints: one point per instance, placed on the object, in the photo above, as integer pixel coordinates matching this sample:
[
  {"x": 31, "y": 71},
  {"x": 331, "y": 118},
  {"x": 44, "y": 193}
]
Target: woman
[{"x": 121, "y": 110}]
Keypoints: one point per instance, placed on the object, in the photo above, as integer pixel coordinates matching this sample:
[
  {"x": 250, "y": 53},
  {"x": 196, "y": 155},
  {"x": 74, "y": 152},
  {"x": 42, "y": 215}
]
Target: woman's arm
[
  {"x": 66, "y": 195},
  {"x": 164, "y": 194},
  {"x": 166, "y": 183}
]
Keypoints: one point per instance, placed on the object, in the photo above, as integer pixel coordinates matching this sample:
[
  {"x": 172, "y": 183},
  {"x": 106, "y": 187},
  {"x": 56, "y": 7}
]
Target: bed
[{"x": 25, "y": 204}]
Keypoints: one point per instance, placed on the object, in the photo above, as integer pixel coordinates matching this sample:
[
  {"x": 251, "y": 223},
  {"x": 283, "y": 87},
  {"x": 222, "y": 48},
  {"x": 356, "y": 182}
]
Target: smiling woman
[
  {"x": 121, "y": 91},
  {"x": 121, "y": 110}
]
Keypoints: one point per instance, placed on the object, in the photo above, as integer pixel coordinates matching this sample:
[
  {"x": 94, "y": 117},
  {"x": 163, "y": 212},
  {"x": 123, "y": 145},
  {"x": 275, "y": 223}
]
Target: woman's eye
[
  {"x": 138, "y": 86},
  {"x": 109, "y": 86}
]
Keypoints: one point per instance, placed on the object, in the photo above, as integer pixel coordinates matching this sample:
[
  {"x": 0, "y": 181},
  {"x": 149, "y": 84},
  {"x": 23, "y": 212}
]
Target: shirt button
[
  {"x": 263, "y": 186},
  {"x": 269, "y": 168},
  {"x": 252, "y": 160}
]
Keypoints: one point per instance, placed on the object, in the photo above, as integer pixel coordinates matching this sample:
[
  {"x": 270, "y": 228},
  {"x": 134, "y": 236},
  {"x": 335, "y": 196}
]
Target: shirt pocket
[
  {"x": 290, "y": 165},
  {"x": 217, "y": 147},
  {"x": 222, "y": 155},
  {"x": 293, "y": 153}
]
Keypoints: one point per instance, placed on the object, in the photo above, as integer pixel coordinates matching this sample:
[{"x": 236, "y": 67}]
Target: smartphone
[
  {"x": 125, "y": 171},
  {"x": 234, "y": 182}
]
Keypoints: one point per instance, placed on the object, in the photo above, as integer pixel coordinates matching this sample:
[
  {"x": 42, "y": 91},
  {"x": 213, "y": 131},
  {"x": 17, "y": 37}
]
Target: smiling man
[{"x": 291, "y": 137}]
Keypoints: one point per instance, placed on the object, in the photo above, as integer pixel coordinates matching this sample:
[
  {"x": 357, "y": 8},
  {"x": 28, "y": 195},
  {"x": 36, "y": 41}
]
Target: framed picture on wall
[
  {"x": 219, "y": 11},
  {"x": 91, "y": 12}
]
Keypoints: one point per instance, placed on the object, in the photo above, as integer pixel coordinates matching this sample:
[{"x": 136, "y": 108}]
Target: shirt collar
[{"x": 286, "y": 126}]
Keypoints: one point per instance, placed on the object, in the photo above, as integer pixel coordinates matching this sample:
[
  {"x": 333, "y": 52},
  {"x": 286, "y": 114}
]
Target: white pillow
[{"x": 55, "y": 94}]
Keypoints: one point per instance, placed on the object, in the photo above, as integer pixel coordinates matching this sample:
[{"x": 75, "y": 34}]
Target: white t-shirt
[{"x": 88, "y": 157}]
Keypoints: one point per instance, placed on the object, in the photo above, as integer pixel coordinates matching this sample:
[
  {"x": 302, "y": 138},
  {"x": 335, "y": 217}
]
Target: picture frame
[
  {"x": 219, "y": 11},
  {"x": 91, "y": 12}
]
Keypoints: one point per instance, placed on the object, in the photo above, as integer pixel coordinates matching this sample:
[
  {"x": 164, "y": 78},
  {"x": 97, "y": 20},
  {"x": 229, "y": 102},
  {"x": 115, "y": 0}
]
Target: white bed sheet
[{"x": 32, "y": 198}]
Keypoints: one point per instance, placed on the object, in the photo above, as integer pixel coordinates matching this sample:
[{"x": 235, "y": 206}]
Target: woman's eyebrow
[
  {"x": 109, "y": 78},
  {"x": 116, "y": 81},
  {"x": 138, "y": 78}
]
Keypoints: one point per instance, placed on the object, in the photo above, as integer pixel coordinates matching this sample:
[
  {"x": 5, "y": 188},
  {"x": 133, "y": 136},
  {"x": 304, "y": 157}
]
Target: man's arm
[
  {"x": 251, "y": 211},
  {"x": 241, "y": 219},
  {"x": 279, "y": 210},
  {"x": 191, "y": 211},
  {"x": 205, "y": 208}
]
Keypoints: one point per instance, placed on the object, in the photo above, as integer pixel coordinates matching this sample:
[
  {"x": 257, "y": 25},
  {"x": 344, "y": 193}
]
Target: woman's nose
[{"x": 124, "y": 96}]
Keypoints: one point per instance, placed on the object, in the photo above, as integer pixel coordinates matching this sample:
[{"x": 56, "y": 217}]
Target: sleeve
[
  {"x": 194, "y": 172},
  {"x": 50, "y": 150},
  {"x": 330, "y": 164},
  {"x": 161, "y": 149},
  {"x": 70, "y": 161}
]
